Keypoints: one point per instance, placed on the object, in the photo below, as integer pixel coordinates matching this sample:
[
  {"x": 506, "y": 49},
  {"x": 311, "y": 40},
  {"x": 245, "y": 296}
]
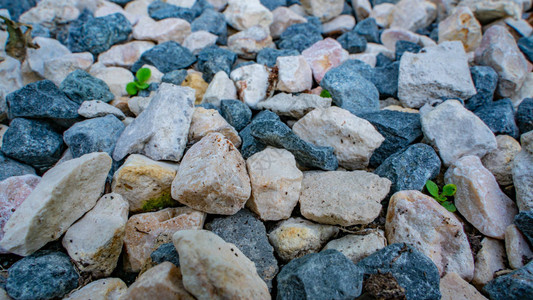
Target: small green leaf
[
  {"x": 141, "y": 86},
  {"x": 449, "y": 190},
  {"x": 131, "y": 88},
  {"x": 143, "y": 74},
  {"x": 325, "y": 94},
  {"x": 449, "y": 206},
  {"x": 433, "y": 189}
]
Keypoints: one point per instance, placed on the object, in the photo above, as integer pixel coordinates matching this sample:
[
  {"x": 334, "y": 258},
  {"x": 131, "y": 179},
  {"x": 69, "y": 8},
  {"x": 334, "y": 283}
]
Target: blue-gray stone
[
  {"x": 40, "y": 30},
  {"x": 175, "y": 77},
  {"x": 166, "y": 252},
  {"x": 268, "y": 56},
  {"x": 526, "y": 45},
  {"x": 97, "y": 35},
  {"x": 377, "y": 2},
  {"x": 300, "y": 36},
  {"x": 273, "y": 4},
  {"x": 524, "y": 222},
  {"x": 292, "y": 2},
  {"x": 350, "y": 90},
  {"x": 81, "y": 86},
  {"x": 236, "y": 112},
  {"x": 352, "y": 42},
  {"x": 368, "y": 28},
  {"x": 43, "y": 275},
  {"x": 151, "y": 88},
  {"x": 248, "y": 233},
  {"x": 121, "y": 2},
  {"x": 347, "y": 9},
  {"x": 250, "y": 145},
  {"x": 413, "y": 271},
  {"x": 499, "y": 116},
  {"x": 18, "y": 7},
  {"x": 406, "y": 46},
  {"x": 159, "y": 10},
  {"x": 517, "y": 285},
  {"x": 33, "y": 142},
  {"x": 399, "y": 129},
  {"x": 42, "y": 100},
  {"x": 166, "y": 57},
  {"x": 213, "y": 59},
  {"x": 382, "y": 60},
  {"x": 384, "y": 78},
  {"x": 94, "y": 135},
  {"x": 9, "y": 167},
  {"x": 524, "y": 115},
  {"x": 325, "y": 275},
  {"x": 213, "y": 22},
  {"x": 485, "y": 80},
  {"x": 409, "y": 169},
  {"x": 275, "y": 133},
  {"x": 209, "y": 106}
]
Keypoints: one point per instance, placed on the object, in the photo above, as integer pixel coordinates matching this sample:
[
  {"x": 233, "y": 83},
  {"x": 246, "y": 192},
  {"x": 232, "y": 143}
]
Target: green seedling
[
  {"x": 325, "y": 94},
  {"x": 447, "y": 191},
  {"x": 140, "y": 83}
]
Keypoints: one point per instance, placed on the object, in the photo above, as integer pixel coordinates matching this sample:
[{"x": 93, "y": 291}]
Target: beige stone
[
  {"x": 147, "y": 231},
  {"x": 48, "y": 49},
  {"x": 52, "y": 12},
  {"x": 98, "y": 108},
  {"x": 382, "y": 13},
  {"x": 500, "y": 161},
  {"x": 417, "y": 219},
  {"x": 242, "y": 15},
  {"x": 170, "y": 29},
  {"x": 389, "y": 37},
  {"x": 517, "y": 248},
  {"x": 116, "y": 79},
  {"x": 103, "y": 289},
  {"x": 138, "y": 104},
  {"x": 3, "y": 129},
  {"x": 413, "y": 14},
  {"x": 489, "y": 260},
  {"x": 68, "y": 190},
  {"x": 220, "y": 88},
  {"x": 163, "y": 281},
  {"x": 276, "y": 183},
  {"x": 205, "y": 121},
  {"x": 249, "y": 42},
  {"x": 357, "y": 247},
  {"x": 297, "y": 237},
  {"x": 284, "y": 17},
  {"x": 198, "y": 40},
  {"x": 526, "y": 91},
  {"x": 453, "y": 287},
  {"x": 324, "y": 9},
  {"x": 105, "y": 8},
  {"x": 138, "y": 7},
  {"x": 124, "y": 55},
  {"x": 58, "y": 68},
  {"x": 195, "y": 81},
  {"x": 339, "y": 25},
  {"x": 295, "y": 106},
  {"x": 212, "y": 177},
  {"x": 294, "y": 74},
  {"x": 214, "y": 269},
  {"x": 489, "y": 10},
  {"x": 461, "y": 26},
  {"x": 362, "y": 9}
]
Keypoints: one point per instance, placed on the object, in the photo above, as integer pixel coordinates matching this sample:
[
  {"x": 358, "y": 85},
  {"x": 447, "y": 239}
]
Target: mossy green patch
[{"x": 158, "y": 203}]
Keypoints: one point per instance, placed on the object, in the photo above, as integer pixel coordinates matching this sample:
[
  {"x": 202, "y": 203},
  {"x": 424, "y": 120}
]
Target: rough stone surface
[
  {"x": 489, "y": 260},
  {"x": 453, "y": 287},
  {"x": 166, "y": 57},
  {"x": 524, "y": 115},
  {"x": 338, "y": 25},
  {"x": 124, "y": 55},
  {"x": 276, "y": 183},
  {"x": 205, "y": 121},
  {"x": 500, "y": 161},
  {"x": 523, "y": 179},
  {"x": 282, "y": 18},
  {"x": 295, "y": 106},
  {"x": 324, "y": 9},
  {"x": 94, "y": 242},
  {"x": 242, "y": 15},
  {"x": 116, "y": 78},
  {"x": 107, "y": 288},
  {"x": 212, "y": 177},
  {"x": 499, "y": 117},
  {"x": 213, "y": 268},
  {"x": 268, "y": 56},
  {"x": 515, "y": 285},
  {"x": 518, "y": 251},
  {"x": 300, "y": 36},
  {"x": 198, "y": 40},
  {"x": 417, "y": 219},
  {"x": 524, "y": 222},
  {"x": 479, "y": 198},
  {"x": 413, "y": 14},
  {"x": 464, "y": 133},
  {"x": 294, "y": 74},
  {"x": 249, "y": 42},
  {"x": 10, "y": 167},
  {"x": 195, "y": 81},
  {"x": 80, "y": 86},
  {"x": 486, "y": 81},
  {"x": 220, "y": 88},
  {"x": 437, "y": 72},
  {"x": 323, "y": 56},
  {"x": 171, "y": 29},
  {"x": 252, "y": 83},
  {"x": 146, "y": 232},
  {"x": 48, "y": 49},
  {"x": 462, "y": 26},
  {"x": 97, "y": 108},
  {"x": 297, "y": 237},
  {"x": 57, "y": 69},
  {"x": 236, "y": 113},
  {"x": 357, "y": 247}
]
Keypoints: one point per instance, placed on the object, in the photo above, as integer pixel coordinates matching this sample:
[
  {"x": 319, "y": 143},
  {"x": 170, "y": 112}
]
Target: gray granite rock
[
  {"x": 268, "y": 56},
  {"x": 236, "y": 112},
  {"x": 524, "y": 222},
  {"x": 9, "y": 168},
  {"x": 213, "y": 59},
  {"x": 166, "y": 57},
  {"x": 175, "y": 77},
  {"x": 213, "y": 22},
  {"x": 516, "y": 285},
  {"x": 166, "y": 252},
  {"x": 80, "y": 86},
  {"x": 486, "y": 81},
  {"x": 524, "y": 115},
  {"x": 500, "y": 117}
]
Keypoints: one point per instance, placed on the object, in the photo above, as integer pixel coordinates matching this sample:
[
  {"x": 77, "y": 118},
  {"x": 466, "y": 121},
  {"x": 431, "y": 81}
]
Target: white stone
[
  {"x": 95, "y": 241},
  {"x": 212, "y": 177},
  {"x": 339, "y": 25},
  {"x": 97, "y": 108},
  {"x": 51, "y": 12},
  {"x": 461, "y": 26},
  {"x": 373, "y": 48},
  {"x": 417, "y": 219},
  {"x": 294, "y": 74},
  {"x": 220, "y": 88},
  {"x": 523, "y": 179},
  {"x": 368, "y": 58},
  {"x": 124, "y": 55},
  {"x": 105, "y": 8},
  {"x": 205, "y": 121},
  {"x": 362, "y": 9},
  {"x": 521, "y": 26},
  {"x": 242, "y": 15},
  {"x": 138, "y": 104},
  {"x": 324, "y": 9},
  {"x": 413, "y": 14},
  {"x": 456, "y": 132},
  {"x": 500, "y": 161},
  {"x": 182, "y": 3},
  {"x": 389, "y": 37},
  {"x": 68, "y": 190},
  {"x": 324, "y": 55},
  {"x": 160, "y": 131},
  {"x": 342, "y": 198},
  {"x": 157, "y": 75},
  {"x": 116, "y": 79},
  {"x": 489, "y": 260},
  {"x": 170, "y": 29},
  {"x": 434, "y": 73},
  {"x": 104, "y": 289},
  {"x": 517, "y": 247},
  {"x": 48, "y": 50},
  {"x": 353, "y": 139},
  {"x": 284, "y": 17},
  {"x": 10, "y": 75},
  {"x": 526, "y": 91},
  {"x": 214, "y": 269},
  {"x": 357, "y": 247},
  {"x": 198, "y": 40},
  {"x": 479, "y": 198},
  {"x": 252, "y": 83},
  {"x": 453, "y": 287},
  {"x": 297, "y": 237},
  {"x": 295, "y": 106},
  {"x": 58, "y": 68},
  {"x": 489, "y": 10},
  {"x": 249, "y": 42},
  {"x": 276, "y": 183},
  {"x": 382, "y": 13}
]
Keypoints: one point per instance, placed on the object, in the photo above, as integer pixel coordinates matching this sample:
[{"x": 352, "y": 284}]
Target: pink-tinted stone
[
  {"x": 13, "y": 191},
  {"x": 324, "y": 55}
]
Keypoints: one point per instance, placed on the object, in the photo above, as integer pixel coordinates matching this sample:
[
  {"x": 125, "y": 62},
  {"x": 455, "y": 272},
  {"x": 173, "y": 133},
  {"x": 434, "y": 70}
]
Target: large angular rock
[
  {"x": 417, "y": 219},
  {"x": 283, "y": 17},
  {"x": 499, "y": 117},
  {"x": 490, "y": 10},
  {"x": 242, "y": 15},
  {"x": 95, "y": 241},
  {"x": 294, "y": 74},
  {"x": 356, "y": 247},
  {"x": 220, "y": 88},
  {"x": 353, "y": 139},
  {"x": 107, "y": 288},
  {"x": 160, "y": 131},
  {"x": 80, "y": 86},
  {"x": 166, "y": 57},
  {"x": 324, "y": 55},
  {"x": 479, "y": 198},
  {"x": 205, "y": 121},
  {"x": 445, "y": 74},
  {"x": 57, "y": 69},
  {"x": 213, "y": 268},
  {"x": 295, "y": 106},
  {"x": 69, "y": 190},
  {"x": 486, "y": 81},
  {"x": 170, "y": 29},
  {"x": 212, "y": 177},
  {"x": 453, "y": 287},
  {"x": 456, "y": 132},
  {"x": 413, "y": 14},
  {"x": 237, "y": 113},
  {"x": 461, "y": 26}
]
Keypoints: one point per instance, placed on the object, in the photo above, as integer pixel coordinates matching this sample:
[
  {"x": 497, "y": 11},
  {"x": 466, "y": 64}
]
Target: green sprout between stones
[
  {"x": 325, "y": 94},
  {"x": 447, "y": 191},
  {"x": 140, "y": 83}
]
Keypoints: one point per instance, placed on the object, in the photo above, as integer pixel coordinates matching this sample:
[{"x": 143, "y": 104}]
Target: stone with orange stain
[
  {"x": 194, "y": 80},
  {"x": 461, "y": 26},
  {"x": 146, "y": 232},
  {"x": 324, "y": 55}
]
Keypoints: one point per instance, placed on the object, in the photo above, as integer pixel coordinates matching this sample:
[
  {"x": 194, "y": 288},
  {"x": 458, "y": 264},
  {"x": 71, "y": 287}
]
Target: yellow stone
[{"x": 194, "y": 80}]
